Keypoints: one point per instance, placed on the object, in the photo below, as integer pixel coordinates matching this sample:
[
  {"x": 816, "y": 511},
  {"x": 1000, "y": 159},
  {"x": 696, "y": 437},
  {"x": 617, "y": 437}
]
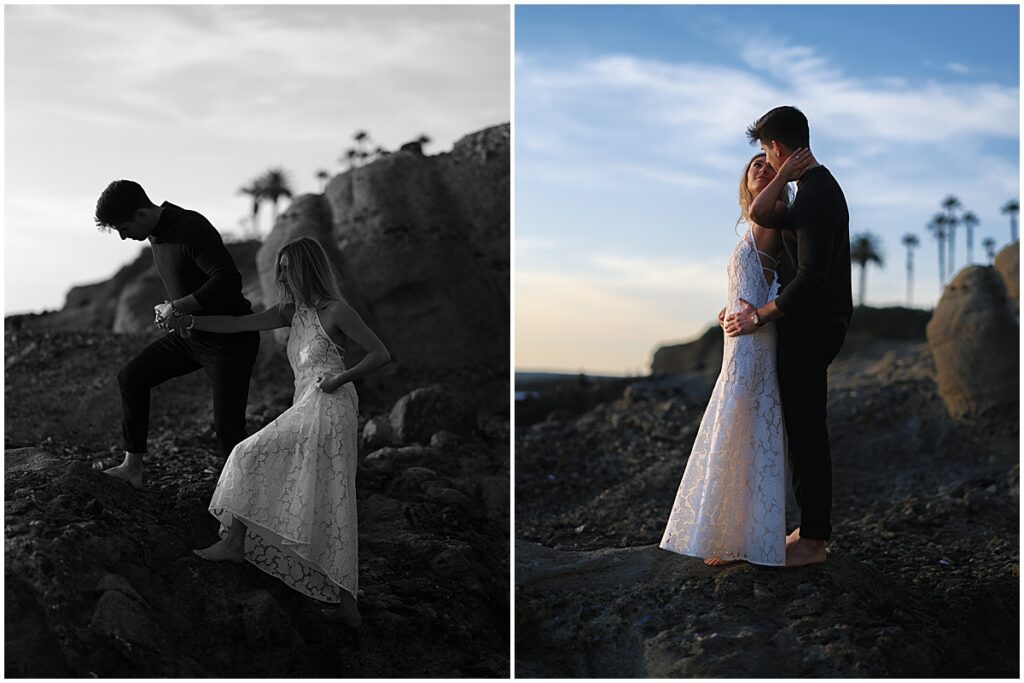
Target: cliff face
[{"x": 424, "y": 250}]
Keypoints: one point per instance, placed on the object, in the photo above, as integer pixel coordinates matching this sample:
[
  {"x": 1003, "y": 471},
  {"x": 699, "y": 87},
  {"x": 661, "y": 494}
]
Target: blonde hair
[
  {"x": 747, "y": 197},
  {"x": 310, "y": 278}
]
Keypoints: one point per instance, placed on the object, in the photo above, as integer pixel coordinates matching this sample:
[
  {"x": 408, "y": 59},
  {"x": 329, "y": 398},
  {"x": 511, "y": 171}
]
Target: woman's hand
[
  {"x": 794, "y": 167},
  {"x": 330, "y": 384}
]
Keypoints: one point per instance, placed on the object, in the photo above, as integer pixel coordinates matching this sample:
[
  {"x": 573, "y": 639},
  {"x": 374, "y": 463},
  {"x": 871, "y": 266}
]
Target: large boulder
[
  {"x": 974, "y": 338},
  {"x": 418, "y": 415},
  {"x": 1007, "y": 264},
  {"x": 424, "y": 244}
]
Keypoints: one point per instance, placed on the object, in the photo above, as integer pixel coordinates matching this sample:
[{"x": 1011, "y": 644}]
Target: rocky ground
[
  {"x": 100, "y": 579},
  {"x": 923, "y": 573}
]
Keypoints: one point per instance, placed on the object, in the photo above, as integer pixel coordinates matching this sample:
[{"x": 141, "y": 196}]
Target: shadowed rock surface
[
  {"x": 975, "y": 341},
  {"x": 923, "y": 574},
  {"x": 100, "y": 579}
]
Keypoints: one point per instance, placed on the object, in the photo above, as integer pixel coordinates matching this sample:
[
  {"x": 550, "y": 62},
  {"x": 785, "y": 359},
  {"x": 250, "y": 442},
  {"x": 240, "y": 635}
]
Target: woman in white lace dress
[
  {"x": 286, "y": 498},
  {"x": 730, "y": 504}
]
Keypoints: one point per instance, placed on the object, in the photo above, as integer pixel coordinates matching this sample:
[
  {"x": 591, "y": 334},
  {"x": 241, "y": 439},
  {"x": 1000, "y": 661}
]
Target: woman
[
  {"x": 286, "y": 498},
  {"x": 730, "y": 504}
]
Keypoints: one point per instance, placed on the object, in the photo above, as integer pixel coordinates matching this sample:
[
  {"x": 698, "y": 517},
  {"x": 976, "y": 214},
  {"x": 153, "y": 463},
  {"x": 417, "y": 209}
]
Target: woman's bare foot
[
  {"x": 805, "y": 551},
  {"x": 718, "y": 562},
  {"x": 132, "y": 475},
  {"x": 347, "y": 612},
  {"x": 223, "y": 551},
  {"x": 793, "y": 537}
]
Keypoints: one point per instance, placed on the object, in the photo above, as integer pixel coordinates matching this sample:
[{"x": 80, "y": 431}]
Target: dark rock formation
[
  {"x": 975, "y": 341},
  {"x": 424, "y": 243},
  {"x": 100, "y": 579},
  {"x": 923, "y": 574},
  {"x": 419, "y": 414},
  {"x": 1007, "y": 264},
  {"x": 704, "y": 355}
]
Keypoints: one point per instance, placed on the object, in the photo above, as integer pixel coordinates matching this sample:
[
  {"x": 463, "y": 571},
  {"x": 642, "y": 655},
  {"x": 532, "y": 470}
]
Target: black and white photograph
[{"x": 257, "y": 341}]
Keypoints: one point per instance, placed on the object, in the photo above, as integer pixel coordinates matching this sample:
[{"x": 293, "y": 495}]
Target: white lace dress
[
  {"x": 293, "y": 482},
  {"x": 732, "y": 498}
]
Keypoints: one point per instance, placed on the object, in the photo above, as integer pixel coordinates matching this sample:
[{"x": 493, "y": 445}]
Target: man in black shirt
[
  {"x": 813, "y": 313},
  {"x": 201, "y": 278}
]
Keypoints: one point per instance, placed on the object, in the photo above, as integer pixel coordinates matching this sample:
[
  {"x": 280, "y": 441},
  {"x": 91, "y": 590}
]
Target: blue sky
[
  {"x": 194, "y": 101},
  {"x": 630, "y": 142}
]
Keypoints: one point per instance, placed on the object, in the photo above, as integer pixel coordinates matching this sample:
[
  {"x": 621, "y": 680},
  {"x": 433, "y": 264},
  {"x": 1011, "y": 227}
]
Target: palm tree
[
  {"x": 362, "y": 139},
  {"x": 937, "y": 227},
  {"x": 323, "y": 176},
  {"x": 865, "y": 248},
  {"x": 910, "y": 241},
  {"x": 1012, "y": 207},
  {"x": 951, "y": 204},
  {"x": 970, "y": 221},
  {"x": 255, "y": 190},
  {"x": 990, "y": 249},
  {"x": 350, "y": 157},
  {"x": 275, "y": 186}
]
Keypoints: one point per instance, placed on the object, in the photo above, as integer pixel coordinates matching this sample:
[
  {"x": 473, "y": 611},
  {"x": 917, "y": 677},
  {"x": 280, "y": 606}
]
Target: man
[
  {"x": 812, "y": 314},
  {"x": 201, "y": 278}
]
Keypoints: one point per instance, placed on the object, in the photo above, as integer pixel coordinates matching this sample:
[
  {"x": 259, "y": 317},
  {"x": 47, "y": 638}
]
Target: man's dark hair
[
  {"x": 787, "y": 124},
  {"x": 119, "y": 202}
]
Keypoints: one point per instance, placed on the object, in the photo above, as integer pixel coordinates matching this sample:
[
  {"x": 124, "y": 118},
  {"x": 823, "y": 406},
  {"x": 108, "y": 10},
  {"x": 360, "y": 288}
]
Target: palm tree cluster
[
  {"x": 364, "y": 151},
  {"x": 269, "y": 187},
  {"x": 943, "y": 227}
]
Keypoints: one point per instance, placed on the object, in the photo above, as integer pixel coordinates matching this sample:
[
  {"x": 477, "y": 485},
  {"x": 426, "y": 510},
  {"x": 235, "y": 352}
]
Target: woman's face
[
  {"x": 282, "y": 269},
  {"x": 759, "y": 174}
]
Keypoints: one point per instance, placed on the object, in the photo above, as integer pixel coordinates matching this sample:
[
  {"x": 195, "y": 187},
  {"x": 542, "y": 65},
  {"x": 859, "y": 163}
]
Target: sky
[
  {"x": 194, "y": 101},
  {"x": 630, "y": 141}
]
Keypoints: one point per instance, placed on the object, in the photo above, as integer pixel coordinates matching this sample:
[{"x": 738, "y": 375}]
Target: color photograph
[{"x": 766, "y": 341}]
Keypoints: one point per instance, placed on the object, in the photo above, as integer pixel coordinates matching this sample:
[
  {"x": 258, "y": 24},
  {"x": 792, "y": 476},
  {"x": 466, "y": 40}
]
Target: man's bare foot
[
  {"x": 347, "y": 612},
  {"x": 132, "y": 475},
  {"x": 718, "y": 562},
  {"x": 793, "y": 537},
  {"x": 222, "y": 551},
  {"x": 805, "y": 551}
]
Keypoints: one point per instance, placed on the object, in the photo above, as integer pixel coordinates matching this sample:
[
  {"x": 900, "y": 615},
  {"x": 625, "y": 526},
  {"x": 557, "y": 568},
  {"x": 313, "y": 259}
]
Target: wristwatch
[{"x": 756, "y": 318}]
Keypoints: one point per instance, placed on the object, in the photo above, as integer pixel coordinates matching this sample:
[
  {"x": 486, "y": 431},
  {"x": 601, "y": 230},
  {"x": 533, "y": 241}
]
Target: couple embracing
[
  {"x": 286, "y": 499},
  {"x": 789, "y": 307}
]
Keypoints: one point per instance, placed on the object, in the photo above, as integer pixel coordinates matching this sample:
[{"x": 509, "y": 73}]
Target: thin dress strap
[{"x": 753, "y": 243}]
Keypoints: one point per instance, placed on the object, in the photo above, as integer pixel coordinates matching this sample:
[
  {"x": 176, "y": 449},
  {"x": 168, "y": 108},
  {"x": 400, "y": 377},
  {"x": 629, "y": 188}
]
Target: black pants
[
  {"x": 805, "y": 350},
  {"x": 228, "y": 360}
]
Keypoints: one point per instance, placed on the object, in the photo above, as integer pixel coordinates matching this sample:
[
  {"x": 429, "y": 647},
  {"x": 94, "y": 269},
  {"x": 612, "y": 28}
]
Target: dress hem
[
  {"x": 729, "y": 558},
  {"x": 287, "y": 547}
]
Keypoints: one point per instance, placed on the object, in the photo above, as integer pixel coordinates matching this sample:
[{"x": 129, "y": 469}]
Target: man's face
[
  {"x": 137, "y": 228},
  {"x": 771, "y": 153}
]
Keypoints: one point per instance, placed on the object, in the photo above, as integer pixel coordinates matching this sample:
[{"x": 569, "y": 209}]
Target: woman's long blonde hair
[
  {"x": 310, "y": 279},
  {"x": 746, "y": 197}
]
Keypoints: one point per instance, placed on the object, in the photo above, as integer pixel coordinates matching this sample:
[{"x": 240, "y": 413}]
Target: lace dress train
[
  {"x": 293, "y": 482},
  {"x": 731, "y": 500}
]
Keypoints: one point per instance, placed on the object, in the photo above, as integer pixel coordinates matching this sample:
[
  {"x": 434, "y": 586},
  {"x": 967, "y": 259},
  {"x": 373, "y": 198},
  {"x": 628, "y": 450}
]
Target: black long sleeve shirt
[
  {"x": 815, "y": 268},
  {"x": 192, "y": 259}
]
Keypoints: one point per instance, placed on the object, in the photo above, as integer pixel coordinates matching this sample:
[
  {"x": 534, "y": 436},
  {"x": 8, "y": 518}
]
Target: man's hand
[
  {"x": 164, "y": 312},
  {"x": 721, "y": 317},
  {"x": 794, "y": 167},
  {"x": 741, "y": 322}
]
